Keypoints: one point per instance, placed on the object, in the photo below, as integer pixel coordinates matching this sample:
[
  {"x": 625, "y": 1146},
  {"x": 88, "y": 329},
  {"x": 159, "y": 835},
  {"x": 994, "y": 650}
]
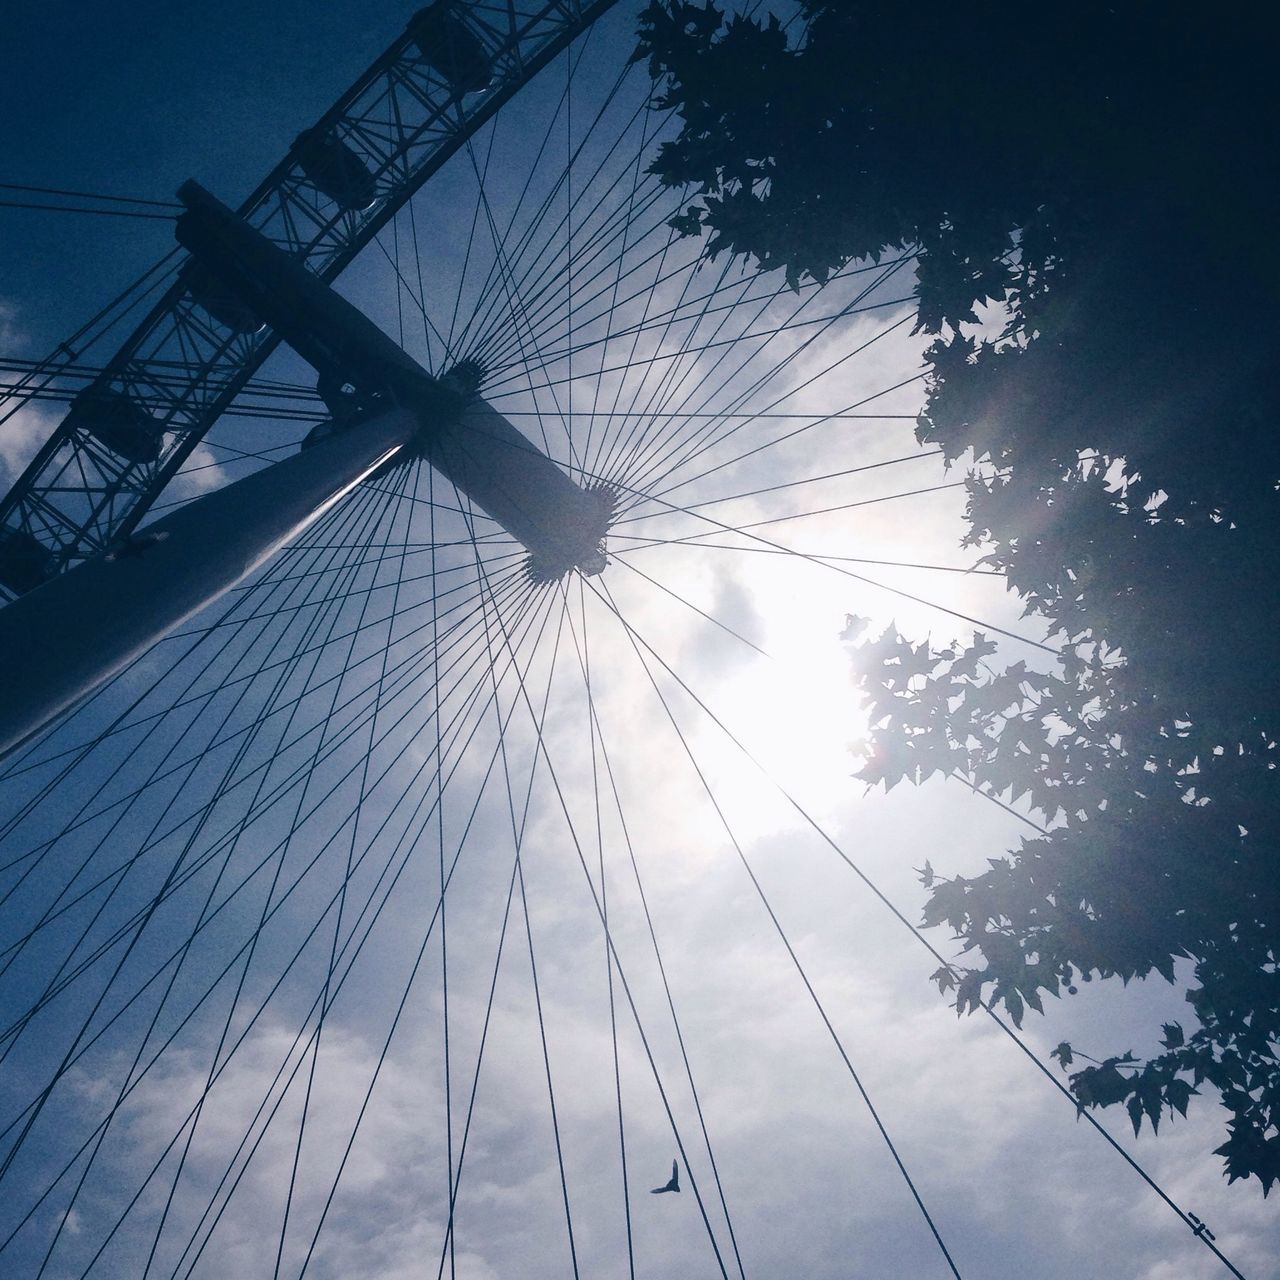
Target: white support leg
[{"x": 61, "y": 641}]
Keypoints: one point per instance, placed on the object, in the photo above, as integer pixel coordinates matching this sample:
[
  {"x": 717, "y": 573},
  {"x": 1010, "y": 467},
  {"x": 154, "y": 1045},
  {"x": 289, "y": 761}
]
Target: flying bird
[{"x": 674, "y": 1184}]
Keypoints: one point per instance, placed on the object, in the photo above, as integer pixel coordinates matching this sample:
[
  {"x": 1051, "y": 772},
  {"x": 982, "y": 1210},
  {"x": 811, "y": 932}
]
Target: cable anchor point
[{"x": 1201, "y": 1229}]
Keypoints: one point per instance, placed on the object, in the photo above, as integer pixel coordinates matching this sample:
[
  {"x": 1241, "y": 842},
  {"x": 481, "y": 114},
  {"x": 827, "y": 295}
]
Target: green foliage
[
  {"x": 1102, "y": 174},
  {"x": 1154, "y": 851}
]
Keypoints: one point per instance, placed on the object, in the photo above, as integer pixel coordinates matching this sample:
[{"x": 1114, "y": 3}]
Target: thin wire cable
[
  {"x": 786, "y": 942},
  {"x": 76, "y": 208},
  {"x": 89, "y": 195},
  {"x": 883, "y": 898}
]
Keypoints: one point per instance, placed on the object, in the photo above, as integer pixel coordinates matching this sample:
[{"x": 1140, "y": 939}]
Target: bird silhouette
[{"x": 674, "y": 1184}]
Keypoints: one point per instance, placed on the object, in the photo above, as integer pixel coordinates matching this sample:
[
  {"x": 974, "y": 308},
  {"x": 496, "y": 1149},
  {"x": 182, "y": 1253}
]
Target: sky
[{"x": 283, "y": 745}]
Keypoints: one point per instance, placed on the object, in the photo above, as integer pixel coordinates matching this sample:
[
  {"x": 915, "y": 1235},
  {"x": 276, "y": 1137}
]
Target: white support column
[{"x": 61, "y": 641}]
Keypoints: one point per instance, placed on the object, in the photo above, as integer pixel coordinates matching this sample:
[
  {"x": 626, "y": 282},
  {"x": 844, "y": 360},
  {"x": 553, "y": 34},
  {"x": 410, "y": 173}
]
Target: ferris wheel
[{"x": 388, "y": 863}]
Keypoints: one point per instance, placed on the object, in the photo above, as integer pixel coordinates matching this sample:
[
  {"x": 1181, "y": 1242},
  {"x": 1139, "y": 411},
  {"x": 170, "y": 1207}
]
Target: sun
[{"x": 792, "y": 705}]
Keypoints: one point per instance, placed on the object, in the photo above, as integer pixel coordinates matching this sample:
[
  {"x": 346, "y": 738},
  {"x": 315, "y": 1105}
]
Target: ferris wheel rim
[{"x": 473, "y": 110}]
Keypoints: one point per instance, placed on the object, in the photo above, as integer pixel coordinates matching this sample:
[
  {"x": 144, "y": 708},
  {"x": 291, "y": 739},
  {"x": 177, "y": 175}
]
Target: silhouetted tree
[{"x": 1102, "y": 179}]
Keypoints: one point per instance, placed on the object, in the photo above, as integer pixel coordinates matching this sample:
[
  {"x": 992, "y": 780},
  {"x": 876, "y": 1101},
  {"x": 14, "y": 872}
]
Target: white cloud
[
  {"x": 201, "y": 473},
  {"x": 20, "y": 436}
]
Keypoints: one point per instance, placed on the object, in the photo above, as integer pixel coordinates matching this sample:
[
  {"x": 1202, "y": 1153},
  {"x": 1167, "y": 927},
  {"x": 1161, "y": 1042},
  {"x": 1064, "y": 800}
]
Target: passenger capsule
[
  {"x": 118, "y": 422},
  {"x": 335, "y": 169},
  {"x": 24, "y": 562},
  {"x": 447, "y": 45},
  {"x": 221, "y": 302}
]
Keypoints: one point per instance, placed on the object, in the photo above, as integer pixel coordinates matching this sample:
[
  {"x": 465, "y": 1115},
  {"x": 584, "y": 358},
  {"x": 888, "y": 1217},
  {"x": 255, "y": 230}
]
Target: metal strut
[
  {"x": 500, "y": 469},
  {"x": 66, "y": 637}
]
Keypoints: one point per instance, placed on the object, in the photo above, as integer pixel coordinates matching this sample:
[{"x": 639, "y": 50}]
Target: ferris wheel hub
[{"x": 361, "y": 371}]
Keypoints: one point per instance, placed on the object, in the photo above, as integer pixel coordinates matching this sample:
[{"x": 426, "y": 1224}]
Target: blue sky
[{"x": 134, "y": 99}]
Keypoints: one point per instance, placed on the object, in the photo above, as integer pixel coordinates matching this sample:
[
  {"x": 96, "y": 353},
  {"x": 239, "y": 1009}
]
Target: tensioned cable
[
  {"x": 447, "y": 1248},
  {"x": 514, "y": 301},
  {"x": 686, "y": 351},
  {"x": 892, "y": 266},
  {"x": 325, "y": 1004},
  {"x": 883, "y": 898},
  {"x": 508, "y": 577},
  {"x": 702, "y": 613},
  {"x": 710, "y": 438},
  {"x": 482, "y": 322},
  {"x": 23, "y": 760},
  {"x": 850, "y": 573},
  {"x": 269, "y": 583},
  {"x": 512, "y": 579},
  {"x": 644, "y": 1040},
  {"x": 246, "y": 1031},
  {"x": 538, "y": 280},
  {"x": 709, "y": 345},
  {"x": 645, "y": 106},
  {"x": 544, "y": 295},
  {"x": 598, "y": 734},
  {"x": 746, "y": 279},
  {"x": 644, "y": 544},
  {"x": 540, "y": 283},
  {"x": 146, "y": 917},
  {"x": 791, "y": 484},
  {"x": 693, "y": 446},
  {"x": 144, "y": 850},
  {"x": 548, "y": 319},
  {"x": 688, "y": 604},
  {"x": 399, "y": 1012},
  {"x": 386, "y": 1048},
  {"x": 444, "y": 935},
  {"x": 156, "y": 403},
  {"x": 786, "y": 942},
  {"x": 226, "y": 1027},
  {"x": 81, "y": 818},
  {"x": 89, "y": 195},
  {"x": 568, "y": 239},
  {"x": 714, "y": 440},
  {"x": 814, "y": 511},
  {"x": 433, "y": 366},
  {"x": 517, "y": 837},
  {"x": 316, "y": 926},
  {"x": 545, "y": 315},
  {"x": 74, "y": 820},
  {"x": 672, "y": 316},
  {"x": 401, "y": 283},
  {"x": 584, "y": 656},
  {"x": 76, "y": 208},
  {"x": 137, "y": 287},
  {"x": 626, "y": 987},
  {"x": 836, "y": 567},
  {"x": 373, "y": 1081},
  {"x": 622, "y": 441},
  {"x": 145, "y": 1040},
  {"x": 815, "y": 420},
  {"x": 668, "y": 431},
  {"x": 280, "y": 791}
]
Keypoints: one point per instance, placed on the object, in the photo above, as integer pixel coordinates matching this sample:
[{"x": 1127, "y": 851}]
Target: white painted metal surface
[{"x": 61, "y": 641}]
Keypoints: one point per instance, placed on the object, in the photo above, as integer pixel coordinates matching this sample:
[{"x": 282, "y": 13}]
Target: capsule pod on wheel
[
  {"x": 118, "y": 422},
  {"x": 25, "y": 562},
  {"x": 446, "y": 44},
  {"x": 334, "y": 168},
  {"x": 216, "y": 298}
]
